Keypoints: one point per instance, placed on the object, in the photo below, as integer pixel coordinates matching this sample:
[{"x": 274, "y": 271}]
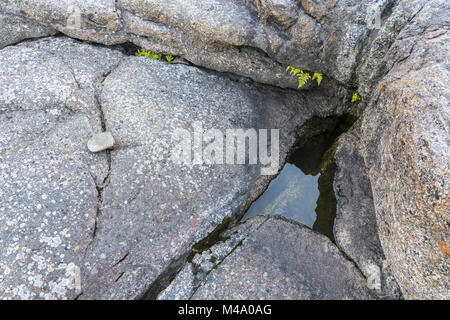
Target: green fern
[
  {"x": 318, "y": 77},
  {"x": 169, "y": 58},
  {"x": 303, "y": 77},
  {"x": 156, "y": 56},
  {"x": 356, "y": 97},
  {"x": 148, "y": 54}
]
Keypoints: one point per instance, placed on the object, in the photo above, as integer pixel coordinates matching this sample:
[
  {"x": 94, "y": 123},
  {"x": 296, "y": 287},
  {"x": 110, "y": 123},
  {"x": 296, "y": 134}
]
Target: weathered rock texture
[
  {"x": 355, "y": 227},
  {"x": 404, "y": 147},
  {"x": 406, "y": 130},
  {"x": 56, "y": 93},
  {"x": 14, "y": 29},
  {"x": 253, "y": 38},
  {"x": 119, "y": 219},
  {"x": 48, "y": 194},
  {"x": 270, "y": 258}
]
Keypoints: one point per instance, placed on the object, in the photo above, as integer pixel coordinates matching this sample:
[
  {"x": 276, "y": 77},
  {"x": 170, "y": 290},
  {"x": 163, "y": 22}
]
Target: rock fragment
[{"x": 101, "y": 142}]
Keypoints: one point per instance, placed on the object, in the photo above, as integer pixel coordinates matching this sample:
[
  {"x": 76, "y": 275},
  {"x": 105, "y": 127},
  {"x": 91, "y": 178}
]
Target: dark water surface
[{"x": 303, "y": 191}]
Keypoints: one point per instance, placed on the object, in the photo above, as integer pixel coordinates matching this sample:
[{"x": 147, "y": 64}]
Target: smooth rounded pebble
[{"x": 101, "y": 141}]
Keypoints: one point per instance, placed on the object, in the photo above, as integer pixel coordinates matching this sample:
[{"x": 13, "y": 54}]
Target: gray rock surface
[
  {"x": 101, "y": 141},
  {"x": 15, "y": 29},
  {"x": 405, "y": 131},
  {"x": 355, "y": 227},
  {"x": 154, "y": 210},
  {"x": 252, "y": 38},
  {"x": 107, "y": 225},
  {"x": 56, "y": 93},
  {"x": 270, "y": 258},
  {"x": 48, "y": 194}
]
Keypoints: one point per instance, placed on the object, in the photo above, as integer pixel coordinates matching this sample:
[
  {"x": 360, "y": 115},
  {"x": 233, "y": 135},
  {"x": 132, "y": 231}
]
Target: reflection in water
[
  {"x": 303, "y": 191},
  {"x": 292, "y": 194}
]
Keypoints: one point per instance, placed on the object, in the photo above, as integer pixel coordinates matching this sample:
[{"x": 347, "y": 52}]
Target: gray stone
[
  {"x": 284, "y": 13},
  {"x": 48, "y": 194},
  {"x": 252, "y": 38},
  {"x": 108, "y": 225},
  {"x": 270, "y": 258},
  {"x": 153, "y": 209},
  {"x": 56, "y": 93},
  {"x": 404, "y": 132},
  {"x": 101, "y": 141},
  {"x": 15, "y": 29},
  {"x": 355, "y": 227},
  {"x": 375, "y": 61}
]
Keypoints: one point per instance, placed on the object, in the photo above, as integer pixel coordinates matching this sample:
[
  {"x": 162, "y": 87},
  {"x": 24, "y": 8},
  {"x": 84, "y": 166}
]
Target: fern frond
[
  {"x": 318, "y": 77},
  {"x": 148, "y": 54},
  {"x": 302, "y": 76},
  {"x": 356, "y": 97},
  {"x": 169, "y": 58}
]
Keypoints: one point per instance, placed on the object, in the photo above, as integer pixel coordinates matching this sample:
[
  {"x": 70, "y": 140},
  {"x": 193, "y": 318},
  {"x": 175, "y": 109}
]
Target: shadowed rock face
[
  {"x": 409, "y": 160},
  {"x": 270, "y": 258},
  {"x": 355, "y": 227},
  {"x": 119, "y": 219},
  {"x": 252, "y": 38},
  {"x": 403, "y": 143}
]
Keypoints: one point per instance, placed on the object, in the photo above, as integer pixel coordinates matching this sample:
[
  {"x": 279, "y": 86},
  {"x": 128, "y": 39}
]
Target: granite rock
[{"x": 270, "y": 258}]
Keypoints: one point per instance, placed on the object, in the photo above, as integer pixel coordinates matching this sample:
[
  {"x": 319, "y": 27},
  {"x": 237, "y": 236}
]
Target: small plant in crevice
[
  {"x": 318, "y": 77},
  {"x": 356, "y": 97},
  {"x": 169, "y": 58},
  {"x": 155, "y": 56},
  {"x": 303, "y": 77}
]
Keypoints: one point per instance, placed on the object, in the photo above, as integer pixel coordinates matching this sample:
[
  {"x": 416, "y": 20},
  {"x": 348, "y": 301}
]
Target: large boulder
[
  {"x": 15, "y": 29},
  {"x": 392, "y": 166},
  {"x": 355, "y": 226},
  {"x": 108, "y": 225},
  {"x": 253, "y": 38},
  {"x": 270, "y": 258},
  {"x": 405, "y": 147}
]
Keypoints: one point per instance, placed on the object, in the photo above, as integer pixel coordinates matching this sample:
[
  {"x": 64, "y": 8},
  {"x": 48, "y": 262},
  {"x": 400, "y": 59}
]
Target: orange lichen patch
[
  {"x": 389, "y": 143},
  {"x": 400, "y": 143},
  {"x": 390, "y": 195},
  {"x": 412, "y": 237},
  {"x": 404, "y": 82},
  {"x": 380, "y": 86},
  {"x": 435, "y": 227},
  {"x": 444, "y": 248}
]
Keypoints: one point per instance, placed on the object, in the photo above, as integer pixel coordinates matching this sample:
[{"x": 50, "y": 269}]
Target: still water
[
  {"x": 292, "y": 194},
  {"x": 303, "y": 191}
]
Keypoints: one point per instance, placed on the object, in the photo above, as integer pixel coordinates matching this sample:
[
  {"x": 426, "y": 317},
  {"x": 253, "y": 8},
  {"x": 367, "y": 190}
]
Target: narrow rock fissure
[
  {"x": 217, "y": 264},
  {"x": 330, "y": 129},
  {"x": 100, "y": 188}
]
